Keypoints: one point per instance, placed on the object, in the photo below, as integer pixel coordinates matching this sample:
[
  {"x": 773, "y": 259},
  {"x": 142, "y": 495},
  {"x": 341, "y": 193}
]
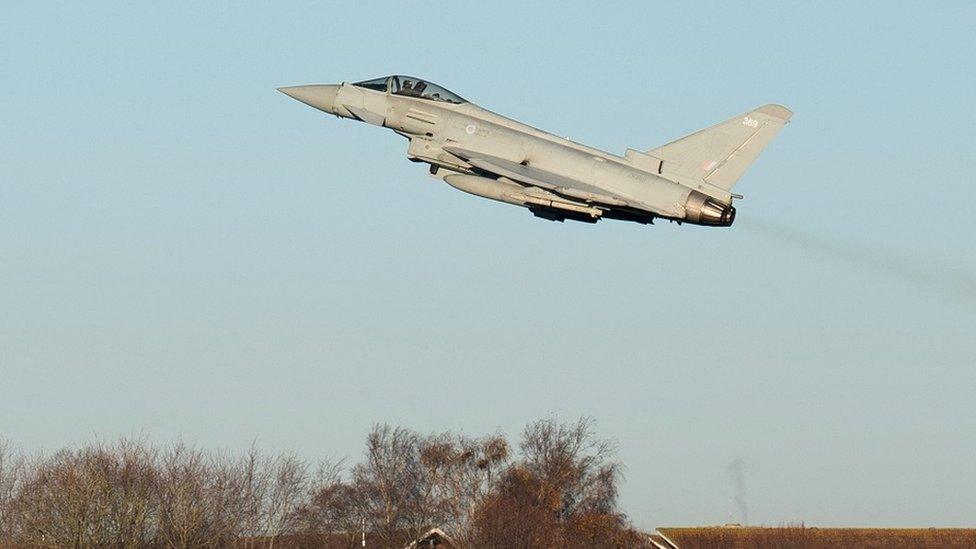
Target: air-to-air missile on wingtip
[{"x": 477, "y": 151}]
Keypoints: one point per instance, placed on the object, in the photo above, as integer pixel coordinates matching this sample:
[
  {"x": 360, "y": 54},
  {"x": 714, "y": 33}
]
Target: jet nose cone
[{"x": 322, "y": 97}]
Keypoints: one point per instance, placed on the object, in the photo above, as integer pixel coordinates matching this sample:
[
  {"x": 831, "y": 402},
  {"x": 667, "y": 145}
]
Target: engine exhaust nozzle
[{"x": 701, "y": 209}]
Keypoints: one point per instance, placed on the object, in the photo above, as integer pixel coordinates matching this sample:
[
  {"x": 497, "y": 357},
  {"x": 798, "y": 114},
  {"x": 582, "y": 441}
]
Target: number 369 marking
[{"x": 751, "y": 122}]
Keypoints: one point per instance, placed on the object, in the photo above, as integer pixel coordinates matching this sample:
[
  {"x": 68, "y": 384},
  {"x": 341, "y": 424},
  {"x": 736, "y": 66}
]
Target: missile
[{"x": 512, "y": 193}]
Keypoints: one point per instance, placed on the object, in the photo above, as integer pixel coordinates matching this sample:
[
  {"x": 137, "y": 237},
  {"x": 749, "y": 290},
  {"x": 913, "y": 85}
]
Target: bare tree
[
  {"x": 389, "y": 481},
  {"x": 129, "y": 495},
  {"x": 573, "y": 464},
  {"x": 199, "y": 500},
  {"x": 335, "y": 509},
  {"x": 254, "y": 487},
  {"x": 225, "y": 500},
  {"x": 514, "y": 515},
  {"x": 68, "y": 500},
  {"x": 459, "y": 472},
  {"x": 11, "y": 476},
  {"x": 288, "y": 490},
  {"x": 561, "y": 493},
  {"x": 132, "y": 485}
]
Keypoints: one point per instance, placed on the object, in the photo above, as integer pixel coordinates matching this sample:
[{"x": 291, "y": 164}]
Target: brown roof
[{"x": 816, "y": 538}]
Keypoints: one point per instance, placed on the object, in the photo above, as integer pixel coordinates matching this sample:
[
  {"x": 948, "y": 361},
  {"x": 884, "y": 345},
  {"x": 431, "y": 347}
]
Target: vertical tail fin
[{"x": 719, "y": 155}]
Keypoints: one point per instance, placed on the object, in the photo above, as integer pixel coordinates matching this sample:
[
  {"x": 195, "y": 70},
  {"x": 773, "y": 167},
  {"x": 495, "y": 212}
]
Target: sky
[{"x": 187, "y": 254}]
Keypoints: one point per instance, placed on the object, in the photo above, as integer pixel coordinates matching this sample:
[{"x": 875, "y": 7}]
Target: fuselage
[
  {"x": 437, "y": 128},
  {"x": 432, "y": 125}
]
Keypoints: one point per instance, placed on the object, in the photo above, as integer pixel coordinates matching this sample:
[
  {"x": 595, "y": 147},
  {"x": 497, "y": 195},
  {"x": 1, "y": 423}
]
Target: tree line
[{"x": 556, "y": 488}]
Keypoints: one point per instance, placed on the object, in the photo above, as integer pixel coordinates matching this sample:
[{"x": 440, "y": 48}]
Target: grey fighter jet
[{"x": 477, "y": 151}]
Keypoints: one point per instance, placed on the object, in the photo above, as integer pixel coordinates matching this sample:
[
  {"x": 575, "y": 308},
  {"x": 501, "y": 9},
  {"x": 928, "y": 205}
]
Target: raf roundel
[{"x": 470, "y": 129}]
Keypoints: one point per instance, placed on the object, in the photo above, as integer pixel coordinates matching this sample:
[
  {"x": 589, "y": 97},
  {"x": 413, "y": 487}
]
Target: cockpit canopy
[{"x": 411, "y": 87}]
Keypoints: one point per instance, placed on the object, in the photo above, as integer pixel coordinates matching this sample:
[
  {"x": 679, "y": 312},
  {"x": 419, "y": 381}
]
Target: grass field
[{"x": 802, "y": 537}]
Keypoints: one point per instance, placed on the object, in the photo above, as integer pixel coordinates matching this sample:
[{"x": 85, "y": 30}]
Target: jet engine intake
[{"x": 701, "y": 209}]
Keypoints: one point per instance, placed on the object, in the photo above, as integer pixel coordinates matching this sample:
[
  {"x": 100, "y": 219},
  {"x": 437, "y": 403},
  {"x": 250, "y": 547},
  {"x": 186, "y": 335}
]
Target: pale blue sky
[{"x": 186, "y": 253}]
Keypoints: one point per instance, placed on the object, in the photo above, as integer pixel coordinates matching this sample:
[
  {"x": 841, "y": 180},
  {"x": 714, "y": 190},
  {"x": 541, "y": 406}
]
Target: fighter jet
[{"x": 488, "y": 155}]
